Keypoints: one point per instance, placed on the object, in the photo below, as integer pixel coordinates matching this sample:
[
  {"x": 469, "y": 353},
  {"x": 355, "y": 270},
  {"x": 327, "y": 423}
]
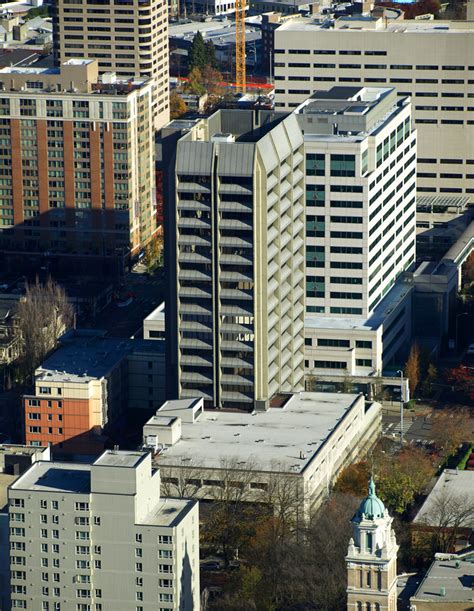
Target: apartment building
[
  {"x": 76, "y": 163},
  {"x": 100, "y": 537},
  {"x": 86, "y": 385},
  {"x": 235, "y": 257},
  {"x": 360, "y": 148},
  {"x": 431, "y": 61},
  {"x": 129, "y": 38}
]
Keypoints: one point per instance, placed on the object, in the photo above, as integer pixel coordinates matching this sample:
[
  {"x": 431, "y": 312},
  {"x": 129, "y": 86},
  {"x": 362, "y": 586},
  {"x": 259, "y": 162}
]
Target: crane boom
[{"x": 240, "y": 71}]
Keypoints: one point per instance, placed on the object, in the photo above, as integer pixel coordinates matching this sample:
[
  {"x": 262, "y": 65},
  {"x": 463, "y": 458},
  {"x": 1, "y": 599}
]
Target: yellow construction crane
[{"x": 240, "y": 73}]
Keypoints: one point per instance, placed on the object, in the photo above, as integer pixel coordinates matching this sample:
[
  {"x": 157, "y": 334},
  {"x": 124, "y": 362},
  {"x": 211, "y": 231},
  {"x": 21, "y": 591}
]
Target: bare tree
[
  {"x": 183, "y": 482},
  {"x": 449, "y": 514},
  {"x": 44, "y": 314}
]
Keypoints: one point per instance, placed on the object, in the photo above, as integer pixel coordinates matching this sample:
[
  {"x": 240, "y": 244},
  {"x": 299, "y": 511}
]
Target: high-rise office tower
[
  {"x": 100, "y": 538},
  {"x": 431, "y": 61},
  {"x": 235, "y": 257},
  {"x": 360, "y": 149},
  {"x": 129, "y": 38},
  {"x": 77, "y": 163}
]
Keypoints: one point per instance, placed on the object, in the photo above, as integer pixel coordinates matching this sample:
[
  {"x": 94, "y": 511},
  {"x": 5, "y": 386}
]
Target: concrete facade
[
  {"x": 87, "y": 384},
  {"x": 78, "y": 163},
  {"x": 360, "y": 149},
  {"x": 235, "y": 257},
  {"x": 302, "y": 444},
  {"x": 130, "y": 39},
  {"x": 101, "y": 537},
  {"x": 431, "y": 61}
]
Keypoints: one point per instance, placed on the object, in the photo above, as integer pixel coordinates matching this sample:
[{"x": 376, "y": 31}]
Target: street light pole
[{"x": 401, "y": 406}]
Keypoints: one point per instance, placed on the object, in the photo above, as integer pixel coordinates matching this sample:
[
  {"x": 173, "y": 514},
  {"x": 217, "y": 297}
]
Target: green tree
[
  {"x": 210, "y": 54},
  {"x": 198, "y": 53}
]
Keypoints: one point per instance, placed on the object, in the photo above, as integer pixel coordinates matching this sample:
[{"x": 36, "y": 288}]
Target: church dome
[{"x": 371, "y": 507}]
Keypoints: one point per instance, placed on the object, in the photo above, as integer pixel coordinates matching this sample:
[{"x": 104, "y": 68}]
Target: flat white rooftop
[
  {"x": 122, "y": 458},
  {"x": 55, "y": 477},
  {"x": 284, "y": 438},
  {"x": 404, "y": 26}
]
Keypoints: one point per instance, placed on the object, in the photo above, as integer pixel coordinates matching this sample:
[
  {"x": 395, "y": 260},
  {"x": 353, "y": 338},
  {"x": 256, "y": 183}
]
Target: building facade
[
  {"x": 128, "y": 38},
  {"x": 100, "y": 537},
  {"x": 431, "y": 61},
  {"x": 372, "y": 558},
  {"x": 360, "y": 148},
  {"x": 86, "y": 385},
  {"x": 235, "y": 258},
  {"x": 77, "y": 163}
]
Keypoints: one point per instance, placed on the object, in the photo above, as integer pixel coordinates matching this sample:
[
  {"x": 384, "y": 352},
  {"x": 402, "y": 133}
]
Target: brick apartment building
[{"x": 76, "y": 163}]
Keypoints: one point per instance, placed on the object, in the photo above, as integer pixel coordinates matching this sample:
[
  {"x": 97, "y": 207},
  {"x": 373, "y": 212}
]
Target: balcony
[
  {"x": 197, "y": 378},
  {"x": 234, "y": 361},
  {"x": 236, "y": 294},
  {"x": 191, "y": 393},
  {"x": 236, "y": 345},
  {"x": 186, "y": 222},
  {"x": 235, "y": 328},
  {"x": 235, "y": 207},
  {"x": 236, "y": 380},
  {"x": 235, "y": 310},
  {"x": 193, "y": 343},
  {"x": 237, "y": 224},
  {"x": 194, "y": 257},
  {"x": 236, "y": 277},
  {"x": 195, "y": 240},
  {"x": 194, "y": 325},
  {"x": 236, "y": 260},
  {"x": 192, "y": 187},
  {"x": 235, "y": 242},
  {"x": 193, "y": 274},
  {"x": 234, "y": 190},
  {"x": 195, "y": 360},
  {"x": 188, "y": 204},
  {"x": 194, "y": 308},
  {"x": 194, "y": 291},
  {"x": 237, "y": 397}
]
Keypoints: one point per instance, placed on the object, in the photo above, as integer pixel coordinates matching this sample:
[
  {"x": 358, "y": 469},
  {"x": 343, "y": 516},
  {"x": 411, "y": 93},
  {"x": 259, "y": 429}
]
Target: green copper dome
[{"x": 371, "y": 507}]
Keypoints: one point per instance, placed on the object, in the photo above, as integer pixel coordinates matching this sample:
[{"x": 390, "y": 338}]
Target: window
[
  {"x": 308, "y": 341},
  {"x": 330, "y": 365},
  {"x": 138, "y": 538},
  {"x": 315, "y": 286},
  {"x": 139, "y": 567},
  {"x": 342, "y": 165},
  {"x": 315, "y": 164},
  {"x": 167, "y": 539},
  {"x": 82, "y": 506},
  {"x": 138, "y": 552},
  {"x": 364, "y": 362},
  {"x": 315, "y": 195}
]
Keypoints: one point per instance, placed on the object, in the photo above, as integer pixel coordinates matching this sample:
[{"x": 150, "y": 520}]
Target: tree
[
  {"x": 44, "y": 314},
  {"x": 211, "y": 59},
  {"x": 468, "y": 269},
  {"x": 449, "y": 429},
  {"x": 353, "y": 479},
  {"x": 178, "y": 107},
  {"x": 197, "y": 55},
  {"x": 462, "y": 379},
  {"x": 430, "y": 380},
  {"x": 449, "y": 514},
  {"x": 211, "y": 80},
  {"x": 412, "y": 368},
  {"x": 195, "y": 82}
]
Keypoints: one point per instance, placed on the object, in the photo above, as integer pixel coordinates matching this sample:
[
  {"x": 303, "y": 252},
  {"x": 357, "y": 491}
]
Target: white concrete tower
[{"x": 372, "y": 558}]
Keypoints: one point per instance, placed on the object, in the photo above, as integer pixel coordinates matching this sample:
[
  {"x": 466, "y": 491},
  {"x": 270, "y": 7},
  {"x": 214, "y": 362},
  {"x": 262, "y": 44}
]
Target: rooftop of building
[
  {"x": 393, "y": 299},
  {"x": 168, "y": 512},
  {"x": 284, "y": 438},
  {"x": 86, "y": 355},
  {"x": 158, "y": 313},
  {"x": 356, "y": 24},
  {"x": 18, "y": 449},
  {"x": 449, "y": 579},
  {"x": 349, "y": 113},
  {"x": 122, "y": 458},
  {"x": 18, "y": 57},
  {"x": 55, "y": 477},
  {"x": 452, "y": 484}
]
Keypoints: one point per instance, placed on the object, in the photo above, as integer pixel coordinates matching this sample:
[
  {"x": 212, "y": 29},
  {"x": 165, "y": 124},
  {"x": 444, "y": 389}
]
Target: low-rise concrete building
[
  {"x": 100, "y": 536},
  {"x": 87, "y": 384},
  {"x": 448, "y": 585},
  {"x": 154, "y": 324},
  {"x": 303, "y": 441}
]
